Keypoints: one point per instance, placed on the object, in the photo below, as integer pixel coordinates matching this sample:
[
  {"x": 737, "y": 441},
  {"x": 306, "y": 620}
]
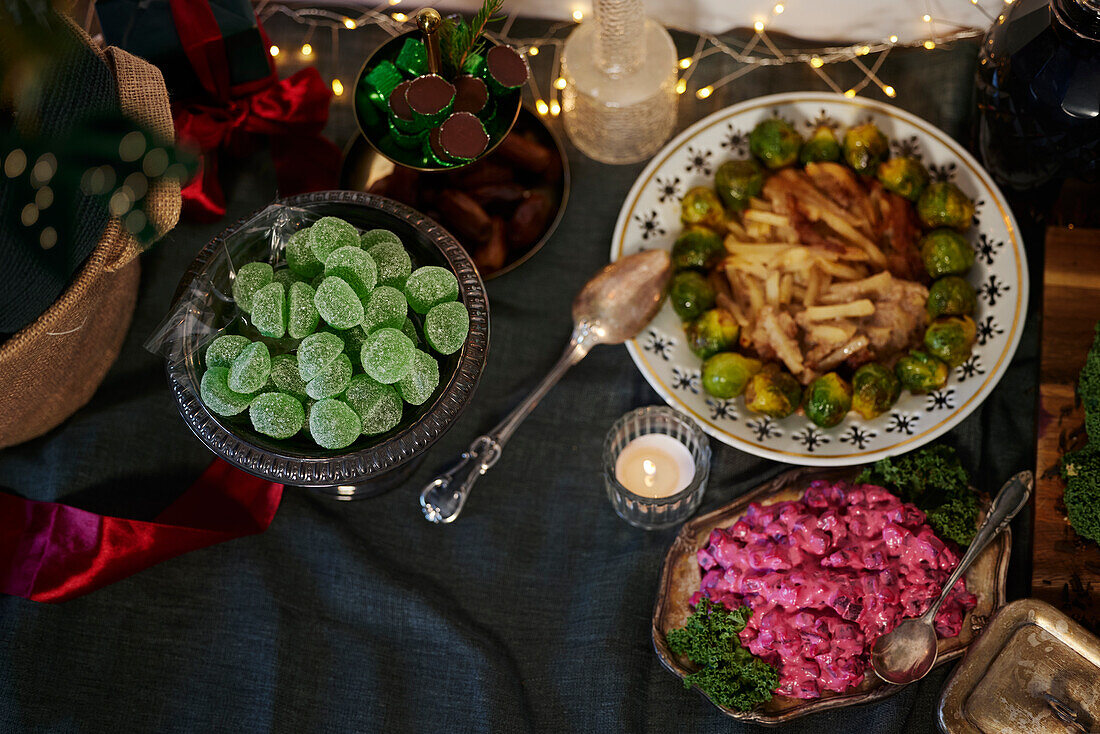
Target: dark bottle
[{"x": 1038, "y": 91}]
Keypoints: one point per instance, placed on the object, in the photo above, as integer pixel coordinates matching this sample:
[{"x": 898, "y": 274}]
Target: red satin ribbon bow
[
  {"x": 237, "y": 118},
  {"x": 51, "y": 552}
]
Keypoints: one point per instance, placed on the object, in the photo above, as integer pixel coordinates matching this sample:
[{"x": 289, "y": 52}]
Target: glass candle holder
[{"x": 646, "y": 512}]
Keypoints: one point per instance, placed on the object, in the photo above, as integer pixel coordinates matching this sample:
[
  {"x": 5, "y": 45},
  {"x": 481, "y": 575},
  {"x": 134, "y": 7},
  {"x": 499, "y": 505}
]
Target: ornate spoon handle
[{"x": 443, "y": 498}]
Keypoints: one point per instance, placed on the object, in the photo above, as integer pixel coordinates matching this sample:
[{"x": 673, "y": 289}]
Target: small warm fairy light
[
  {"x": 893, "y": 39},
  {"x": 1008, "y": 2},
  {"x": 400, "y": 17},
  {"x": 274, "y": 50},
  {"x": 864, "y": 50},
  {"x": 555, "y": 108},
  {"x": 681, "y": 86},
  {"x": 850, "y": 93},
  {"x": 337, "y": 87},
  {"x": 1001, "y": 18},
  {"x": 973, "y": 2},
  {"x": 350, "y": 24},
  {"x": 578, "y": 15},
  {"x": 816, "y": 62},
  {"x": 560, "y": 83},
  {"x": 542, "y": 107},
  {"x": 758, "y": 25},
  {"x": 890, "y": 91},
  {"x": 394, "y": 2},
  {"x": 685, "y": 63},
  {"x": 927, "y": 18},
  {"x": 778, "y": 8},
  {"x": 704, "y": 92},
  {"x": 306, "y": 49},
  {"x": 929, "y": 44},
  {"x": 533, "y": 51}
]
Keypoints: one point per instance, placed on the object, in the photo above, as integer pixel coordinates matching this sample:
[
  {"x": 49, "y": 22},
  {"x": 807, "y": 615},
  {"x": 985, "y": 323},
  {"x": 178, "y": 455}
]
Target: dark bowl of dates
[
  {"x": 502, "y": 208},
  {"x": 394, "y": 121}
]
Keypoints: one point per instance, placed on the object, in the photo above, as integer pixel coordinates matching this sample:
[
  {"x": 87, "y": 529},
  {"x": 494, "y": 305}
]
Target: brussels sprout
[
  {"x": 951, "y": 296},
  {"x": 715, "y": 331},
  {"x": 921, "y": 372},
  {"x": 775, "y": 142},
  {"x": 951, "y": 338},
  {"x": 906, "y": 177},
  {"x": 944, "y": 205},
  {"x": 697, "y": 248},
  {"x": 865, "y": 147},
  {"x": 874, "y": 390},
  {"x": 773, "y": 392},
  {"x": 946, "y": 252},
  {"x": 828, "y": 400},
  {"x": 700, "y": 205},
  {"x": 726, "y": 374},
  {"x": 737, "y": 182},
  {"x": 690, "y": 294},
  {"x": 821, "y": 147}
]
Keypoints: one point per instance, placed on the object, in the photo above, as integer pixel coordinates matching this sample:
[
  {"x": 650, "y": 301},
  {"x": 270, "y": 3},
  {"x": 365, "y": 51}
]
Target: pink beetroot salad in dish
[{"x": 825, "y": 576}]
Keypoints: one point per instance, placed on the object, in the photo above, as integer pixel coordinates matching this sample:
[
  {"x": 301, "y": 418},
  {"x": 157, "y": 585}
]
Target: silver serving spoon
[
  {"x": 612, "y": 307},
  {"x": 908, "y": 652}
]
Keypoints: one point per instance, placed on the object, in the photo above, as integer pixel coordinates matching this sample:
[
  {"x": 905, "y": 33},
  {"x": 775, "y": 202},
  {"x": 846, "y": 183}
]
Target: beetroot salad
[{"x": 825, "y": 576}]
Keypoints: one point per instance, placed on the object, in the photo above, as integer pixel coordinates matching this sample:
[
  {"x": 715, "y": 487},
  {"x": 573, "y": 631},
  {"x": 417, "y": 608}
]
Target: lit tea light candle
[{"x": 655, "y": 465}]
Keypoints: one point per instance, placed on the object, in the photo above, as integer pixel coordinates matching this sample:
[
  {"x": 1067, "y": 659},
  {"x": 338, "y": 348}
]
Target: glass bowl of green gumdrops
[{"x": 327, "y": 341}]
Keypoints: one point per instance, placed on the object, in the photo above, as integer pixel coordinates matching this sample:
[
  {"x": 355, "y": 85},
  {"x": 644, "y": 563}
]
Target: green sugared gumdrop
[
  {"x": 316, "y": 352},
  {"x": 354, "y": 267},
  {"x": 409, "y": 330},
  {"x": 331, "y": 233},
  {"x": 316, "y": 281},
  {"x": 286, "y": 276},
  {"x": 300, "y": 257},
  {"x": 446, "y": 327},
  {"x": 354, "y": 338},
  {"x": 332, "y": 380},
  {"x": 421, "y": 381},
  {"x": 216, "y": 395},
  {"x": 222, "y": 351},
  {"x": 333, "y": 424},
  {"x": 249, "y": 279},
  {"x": 338, "y": 304},
  {"x": 387, "y": 355},
  {"x": 302, "y": 318},
  {"x": 394, "y": 264},
  {"x": 284, "y": 374},
  {"x": 269, "y": 310},
  {"x": 277, "y": 414},
  {"x": 372, "y": 237},
  {"x": 429, "y": 286},
  {"x": 379, "y": 406},
  {"x": 250, "y": 369},
  {"x": 386, "y": 307}
]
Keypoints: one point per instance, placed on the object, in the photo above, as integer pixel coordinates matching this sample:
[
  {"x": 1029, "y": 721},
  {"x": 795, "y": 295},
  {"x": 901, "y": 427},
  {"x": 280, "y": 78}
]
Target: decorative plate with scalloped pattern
[{"x": 650, "y": 218}]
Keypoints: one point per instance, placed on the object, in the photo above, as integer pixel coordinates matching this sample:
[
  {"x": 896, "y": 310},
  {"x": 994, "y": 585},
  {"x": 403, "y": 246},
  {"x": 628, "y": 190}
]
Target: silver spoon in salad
[
  {"x": 611, "y": 308},
  {"x": 908, "y": 652}
]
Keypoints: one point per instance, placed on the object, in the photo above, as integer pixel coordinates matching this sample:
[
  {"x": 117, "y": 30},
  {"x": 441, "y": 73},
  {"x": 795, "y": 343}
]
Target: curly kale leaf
[
  {"x": 728, "y": 674},
  {"x": 956, "y": 519},
  {"x": 1081, "y": 469}
]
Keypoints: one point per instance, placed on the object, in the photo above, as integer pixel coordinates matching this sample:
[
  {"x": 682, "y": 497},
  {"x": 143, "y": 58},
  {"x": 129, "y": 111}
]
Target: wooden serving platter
[{"x": 1065, "y": 569}]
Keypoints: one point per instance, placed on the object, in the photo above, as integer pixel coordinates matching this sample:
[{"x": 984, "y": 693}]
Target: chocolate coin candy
[
  {"x": 386, "y": 307},
  {"x": 409, "y": 141},
  {"x": 222, "y": 351},
  {"x": 277, "y": 414},
  {"x": 462, "y": 136},
  {"x": 216, "y": 395},
  {"x": 446, "y": 327},
  {"x": 299, "y": 255},
  {"x": 394, "y": 263},
  {"x": 269, "y": 310},
  {"x": 431, "y": 98},
  {"x": 506, "y": 70},
  {"x": 355, "y": 267},
  {"x": 400, "y": 113},
  {"x": 250, "y": 369},
  {"x": 250, "y": 278},
  {"x": 421, "y": 380},
  {"x": 429, "y": 286},
  {"x": 331, "y": 233},
  {"x": 338, "y": 304},
  {"x": 471, "y": 94},
  {"x": 333, "y": 424},
  {"x": 302, "y": 317},
  {"x": 316, "y": 352},
  {"x": 332, "y": 380},
  {"x": 433, "y": 150},
  {"x": 387, "y": 355}
]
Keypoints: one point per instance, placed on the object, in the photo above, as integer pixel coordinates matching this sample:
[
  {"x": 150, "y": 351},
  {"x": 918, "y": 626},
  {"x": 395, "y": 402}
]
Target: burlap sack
[{"x": 52, "y": 367}]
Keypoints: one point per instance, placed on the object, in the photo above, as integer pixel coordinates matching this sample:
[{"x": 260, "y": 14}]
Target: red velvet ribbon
[
  {"x": 51, "y": 552},
  {"x": 289, "y": 113}
]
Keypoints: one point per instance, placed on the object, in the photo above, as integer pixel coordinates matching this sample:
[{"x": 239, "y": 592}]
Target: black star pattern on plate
[
  {"x": 721, "y": 409},
  {"x": 906, "y": 148},
  {"x": 650, "y": 224},
  {"x": 822, "y": 120},
  {"x": 659, "y": 344},
  {"x": 857, "y": 437},
  {"x": 698, "y": 160},
  {"x": 985, "y": 249},
  {"x": 811, "y": 438},
  {"x": 763, "y": 428},
  {"x": 976, "y": 220},
  {"x": 735, "y": 140},
  {"x": 941, "y": 400},
  {"x": 668, "y": 188},
  {"x": 987, "y": 329},
  {"x": 992, "y": 289},
  {"x": 685, "y": 380},
  {"x": 941, "y": 174},
  {"x": 970, "y": 368},
  {"x": 902, "y": 423}
]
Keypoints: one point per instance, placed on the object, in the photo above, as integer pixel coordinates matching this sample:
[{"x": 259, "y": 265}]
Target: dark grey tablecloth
[{"x": 531, "y": 613}]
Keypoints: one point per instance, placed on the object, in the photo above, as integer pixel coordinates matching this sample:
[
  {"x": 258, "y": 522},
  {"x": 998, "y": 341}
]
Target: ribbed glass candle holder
[{"x": 661, "y": 512}]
